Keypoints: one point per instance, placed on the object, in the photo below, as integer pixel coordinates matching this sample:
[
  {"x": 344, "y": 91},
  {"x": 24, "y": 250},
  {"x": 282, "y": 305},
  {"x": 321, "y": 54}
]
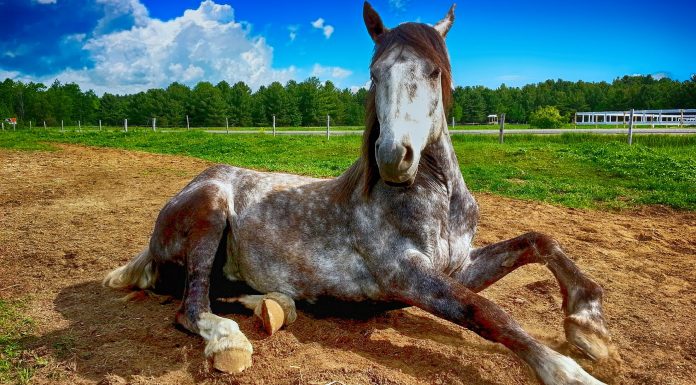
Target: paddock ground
[{"x": 69, "y": 216}]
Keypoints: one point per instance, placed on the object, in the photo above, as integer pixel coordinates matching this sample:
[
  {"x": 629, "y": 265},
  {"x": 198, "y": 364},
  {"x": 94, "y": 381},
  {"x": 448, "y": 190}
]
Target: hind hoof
[
  {"x": 232, "y": 361},
  {"x": 271, "y": 314}
]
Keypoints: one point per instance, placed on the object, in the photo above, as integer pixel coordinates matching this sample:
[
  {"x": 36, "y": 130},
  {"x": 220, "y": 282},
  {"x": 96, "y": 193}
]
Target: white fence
[{"x": 674, "y": 117}]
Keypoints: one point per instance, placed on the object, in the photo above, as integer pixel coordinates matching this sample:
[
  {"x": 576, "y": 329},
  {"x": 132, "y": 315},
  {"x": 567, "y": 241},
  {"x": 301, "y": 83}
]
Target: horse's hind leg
[
  {"x": 230, "y": 348},
  {"x": 582, "y": 298}
]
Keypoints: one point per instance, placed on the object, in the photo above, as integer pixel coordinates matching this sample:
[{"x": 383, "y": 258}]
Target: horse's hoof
[
  {"x": 232, "y": 361},
  {"x": 272, "y": 315},
  {"x": 588, "y": 336}
]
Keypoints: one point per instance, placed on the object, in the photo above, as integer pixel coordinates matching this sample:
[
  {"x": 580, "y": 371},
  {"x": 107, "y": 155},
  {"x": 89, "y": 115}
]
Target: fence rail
[{"x": 669, "y": 117}]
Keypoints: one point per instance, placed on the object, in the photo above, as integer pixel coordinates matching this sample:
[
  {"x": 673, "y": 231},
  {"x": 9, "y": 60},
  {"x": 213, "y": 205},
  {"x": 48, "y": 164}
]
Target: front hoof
[
  {"x": 590, "y": 336},
  {"x": 232, "y": 361}
]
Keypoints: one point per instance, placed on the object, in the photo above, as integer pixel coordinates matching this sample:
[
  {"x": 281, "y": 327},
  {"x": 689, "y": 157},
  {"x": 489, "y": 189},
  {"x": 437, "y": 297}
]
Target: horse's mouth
[{"x": 407, "y": 183}]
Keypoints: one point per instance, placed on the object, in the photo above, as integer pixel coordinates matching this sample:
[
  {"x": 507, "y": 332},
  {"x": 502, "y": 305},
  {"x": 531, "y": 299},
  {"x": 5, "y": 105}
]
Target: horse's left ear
[{"x": 443, "y": 26}]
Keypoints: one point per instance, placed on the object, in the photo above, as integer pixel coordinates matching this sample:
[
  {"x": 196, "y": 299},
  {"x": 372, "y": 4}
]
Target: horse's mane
[{"x": 425, "y": 41}]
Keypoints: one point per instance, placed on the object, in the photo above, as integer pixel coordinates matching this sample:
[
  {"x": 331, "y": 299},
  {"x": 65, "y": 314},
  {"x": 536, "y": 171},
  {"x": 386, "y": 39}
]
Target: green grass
[
  {"x": 15, "y": 366},
  {"x": 574, "y": 170}
]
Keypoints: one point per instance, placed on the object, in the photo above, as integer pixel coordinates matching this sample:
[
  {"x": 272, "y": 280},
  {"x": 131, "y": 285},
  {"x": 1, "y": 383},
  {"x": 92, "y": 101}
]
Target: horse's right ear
[{"x": 373, "y": 22}]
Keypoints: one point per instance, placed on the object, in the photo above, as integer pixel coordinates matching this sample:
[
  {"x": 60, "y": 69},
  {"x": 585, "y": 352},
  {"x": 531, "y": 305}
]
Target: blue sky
[{"x": 130, "y": 45}]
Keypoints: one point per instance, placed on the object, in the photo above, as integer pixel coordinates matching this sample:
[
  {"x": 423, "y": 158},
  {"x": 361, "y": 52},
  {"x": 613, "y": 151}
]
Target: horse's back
[{"x": 207, "y": 204}]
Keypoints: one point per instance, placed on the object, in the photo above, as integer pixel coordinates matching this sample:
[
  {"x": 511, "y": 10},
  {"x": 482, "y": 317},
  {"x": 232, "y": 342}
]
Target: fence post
[
  {"x": 125, "y": 124},
  {"x": 187, "y": 123},
  {"x": 154, "y": 124},
  {"x": 453, "y": 122},
  {"x": 30, "y": 124},
  {"x": 79, "y": 126},
  {"x": 274, "y": 131},
  {"x": 630, "y": 128},
  {"x": 328, "y": 125},
  {"x": 62, "y": 129},
  {"x": 227, "y": 125},
  {"x": 99, "y": 124},
  {"x": 3, "y": 126},
  {"x": 681, "y": 119},
  {"x": 575, "y": 121},
  {"x": 501, "y": 122},
  {"x": 44, "y": 124}
]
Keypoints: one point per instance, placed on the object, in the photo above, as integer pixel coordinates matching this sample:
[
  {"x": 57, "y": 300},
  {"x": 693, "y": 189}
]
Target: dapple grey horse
[{"x": 396, "y": 227}]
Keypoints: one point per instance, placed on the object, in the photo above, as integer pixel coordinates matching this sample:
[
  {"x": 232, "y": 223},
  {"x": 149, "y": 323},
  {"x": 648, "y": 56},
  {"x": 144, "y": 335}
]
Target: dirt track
[{"x": 69, "y": 216}]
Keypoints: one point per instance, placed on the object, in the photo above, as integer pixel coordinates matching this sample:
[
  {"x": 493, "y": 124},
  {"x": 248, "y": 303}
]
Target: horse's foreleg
[
  {"x": 582, "y": 298},
  {"x": 414, "y": 283},
  {"x": 224, "y": 341}
]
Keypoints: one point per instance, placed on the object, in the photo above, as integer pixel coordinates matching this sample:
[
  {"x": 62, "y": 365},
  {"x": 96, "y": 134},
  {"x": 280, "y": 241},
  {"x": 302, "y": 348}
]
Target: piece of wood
[{"x": 232, "y": 360}]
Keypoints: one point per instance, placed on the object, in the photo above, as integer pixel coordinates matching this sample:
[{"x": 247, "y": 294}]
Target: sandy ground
[{"x": 69, "y": 216}]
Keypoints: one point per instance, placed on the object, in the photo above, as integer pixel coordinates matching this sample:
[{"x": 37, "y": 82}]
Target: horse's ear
[
  {"x": 443, "y": 26},
  {"x": 373, "y": 22}
]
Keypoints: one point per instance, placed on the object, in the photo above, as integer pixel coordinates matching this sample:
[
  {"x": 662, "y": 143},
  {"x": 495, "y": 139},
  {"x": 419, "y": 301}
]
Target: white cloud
[
  {"x": 292, "y": 29},
  {"x": 336, "y": 73},
  {"x": 318, "y": 23},
  {"x": 398, "y": 5},
  {"x": 366, "y": 86},
  {"x": 203, "y": 44},
  {"x": 326, "y": 28},
  {"x": 328, "y": 31},
  {"x": 46, "y": 1}
]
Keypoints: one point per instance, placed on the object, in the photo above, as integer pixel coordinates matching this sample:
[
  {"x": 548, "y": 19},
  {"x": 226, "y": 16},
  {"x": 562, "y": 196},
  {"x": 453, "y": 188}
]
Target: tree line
[{"x": 308, "y": 102}]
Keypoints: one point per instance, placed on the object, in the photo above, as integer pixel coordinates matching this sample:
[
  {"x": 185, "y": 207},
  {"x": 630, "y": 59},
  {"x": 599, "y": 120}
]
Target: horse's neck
[
  {"x": 463, "y": 210},
  {"x": 442, "y": 152}
]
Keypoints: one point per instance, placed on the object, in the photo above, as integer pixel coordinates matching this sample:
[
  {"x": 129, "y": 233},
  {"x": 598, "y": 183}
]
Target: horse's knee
[{"x": 542, "y": 244}]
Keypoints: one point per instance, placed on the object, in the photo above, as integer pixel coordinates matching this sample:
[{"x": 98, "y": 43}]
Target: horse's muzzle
[{"x": 395, "y": 162}]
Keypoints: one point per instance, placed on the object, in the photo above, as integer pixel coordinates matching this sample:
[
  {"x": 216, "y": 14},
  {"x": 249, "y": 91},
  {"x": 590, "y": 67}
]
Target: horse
[{"x": 397, "y": 227}]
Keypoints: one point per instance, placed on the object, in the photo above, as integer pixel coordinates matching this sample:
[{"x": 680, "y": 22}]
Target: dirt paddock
[{"x": 69, "y": 216}]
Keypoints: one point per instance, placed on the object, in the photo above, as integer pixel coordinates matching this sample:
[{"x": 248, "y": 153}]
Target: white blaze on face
[{"x": 408, "y": 100}]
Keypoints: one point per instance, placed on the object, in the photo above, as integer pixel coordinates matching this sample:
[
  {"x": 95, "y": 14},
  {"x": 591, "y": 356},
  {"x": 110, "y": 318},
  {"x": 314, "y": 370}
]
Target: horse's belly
[
  {"x": 309, "y": 277},
  {"x": 323, "y": 265}
]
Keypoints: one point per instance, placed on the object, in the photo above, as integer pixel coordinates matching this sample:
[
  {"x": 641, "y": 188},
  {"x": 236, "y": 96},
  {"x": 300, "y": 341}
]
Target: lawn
[
  {"x": 15, "y": 366},
  {"x": 574, "y": 170}
]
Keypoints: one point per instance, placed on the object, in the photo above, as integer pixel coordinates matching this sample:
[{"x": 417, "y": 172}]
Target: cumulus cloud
[
  {"x": 398, "y": 5},
  {"x": 336, "y": 73},
  {"x": 46, "y": 1},
  {"x": 124, "y": 50},
  {"x": 292, "y": 29},
  {"x": 320, "y": 23},
  {"x": 203, "y": 44},
  {"x": 366, "y": 86}
]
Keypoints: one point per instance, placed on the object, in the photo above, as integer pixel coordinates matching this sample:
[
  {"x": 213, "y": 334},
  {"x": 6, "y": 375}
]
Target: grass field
[
  {"x": 575, "y": 170},
  {"x": 14, "y": 327}
]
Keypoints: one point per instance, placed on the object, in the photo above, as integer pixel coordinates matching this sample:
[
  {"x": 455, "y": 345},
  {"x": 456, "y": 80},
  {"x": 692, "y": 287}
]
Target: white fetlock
[
  {"x": 225, "y": 343},
  {"x": 557, "y": 369}
]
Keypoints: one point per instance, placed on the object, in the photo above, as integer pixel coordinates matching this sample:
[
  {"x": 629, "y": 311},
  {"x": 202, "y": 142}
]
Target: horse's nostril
[{"x": 408, "y": 157}]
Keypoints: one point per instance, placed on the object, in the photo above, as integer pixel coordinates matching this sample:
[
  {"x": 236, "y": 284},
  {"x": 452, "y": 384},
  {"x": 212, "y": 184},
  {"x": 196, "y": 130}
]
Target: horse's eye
[
  {"x": 373, "y": 78},
  {"x": 435, "y": 74}
]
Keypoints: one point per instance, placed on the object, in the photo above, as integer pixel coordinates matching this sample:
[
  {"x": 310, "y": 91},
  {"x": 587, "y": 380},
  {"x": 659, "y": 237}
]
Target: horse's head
[{"x": 411, "y": 87}]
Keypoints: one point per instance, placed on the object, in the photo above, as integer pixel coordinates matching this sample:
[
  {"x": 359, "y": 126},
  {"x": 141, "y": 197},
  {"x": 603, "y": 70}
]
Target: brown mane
[{"x": 425, "y": 41}]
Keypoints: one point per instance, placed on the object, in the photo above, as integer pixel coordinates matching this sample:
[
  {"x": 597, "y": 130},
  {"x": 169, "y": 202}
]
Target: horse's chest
[{"x": 391, "y": 226}]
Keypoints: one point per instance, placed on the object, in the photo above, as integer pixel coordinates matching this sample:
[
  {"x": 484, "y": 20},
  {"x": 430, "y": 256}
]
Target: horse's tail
[{"x": 139, "y": 273}]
